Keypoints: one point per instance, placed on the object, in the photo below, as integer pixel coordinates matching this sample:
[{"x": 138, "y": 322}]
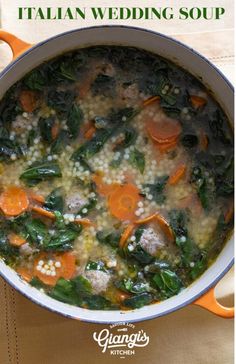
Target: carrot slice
[
  {"x": 166, "y": 147},
  {"x": 25, "y": 273},
  {"x": 85, "y": 222},
  {"x": 151, "y": 100},
  {"x": 203, "y": 140},
  {"x": 197, "y": 101},
  {"x": 123, "y": 201},
  {"x": 164, "y": 132},
  {"x": 43, "y": 212},
  {"x": 28, "y": 100},
  {"x": 16, "y": 240},
  {"x": 55, "y": 131},
  {"x": 177, "y": 174},
  {"x": 229, "y": 214},
  {"x": 35, "y": 197},
  {"x": 121, "y": 296},
  {"x": 125, "y": 235},
  {"x": 13, "y": 201},
  {"x": 166, "y": 228},
  {"x": 66, "y": 268},
  {"x": 103, "y": 188},
  {"x": 90, "y": 133}
]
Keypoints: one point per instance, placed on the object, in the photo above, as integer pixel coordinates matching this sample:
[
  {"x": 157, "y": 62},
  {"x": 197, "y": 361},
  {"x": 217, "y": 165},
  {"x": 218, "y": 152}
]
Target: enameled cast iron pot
[{"x": 27, "y": 57}]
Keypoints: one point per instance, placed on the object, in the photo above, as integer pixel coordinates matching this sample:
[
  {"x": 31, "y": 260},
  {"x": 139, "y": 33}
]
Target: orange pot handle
[
  {"x": 209, "y": 302},
  {"x": 17, "y": 45}
]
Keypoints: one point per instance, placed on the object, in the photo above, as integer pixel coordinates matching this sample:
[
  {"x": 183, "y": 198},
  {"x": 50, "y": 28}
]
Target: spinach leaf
[
  {"x": 40, "y": 171},
  {"x": 8, "y": 109},
  {"x": 111, "y": 238},
  {"x": 199, "y": 267},
  {"x": 35, "y": 80},
  {"x": 138, "y": 301},
  {"x": 139, "y": 253},
  {"x": 96, "y": 302},
  {"x": 8, "y": 148},
  {"x": 156, "y": 266},
  {"x": 189, "y": 141},
  {"x": 59, "y": 144},
  {"x": 55, "y": 200},
  {"x": 61, "y": 101},
  {"x": 167, "y": 282},
  {"x": 37, "y": 232},
  {"x": 130, "y": 136},
  {"x": 45, "y": 127},
  {"x": 31, "y": 136},
  {"x": 93, "y": 146},
  {"x": 77, "y": 292},
  {"x": 117, "y": 119},
  {"x": 178, "y": 222},
  {"x": 219, "y": 128},
  {"x": 103, "y": 84},
  {"x": 137, "y": 159},
  {"x": 35, "y": 282},
  {"x": 74, "y": 121},
  {"x": 133, "y": 286},
  {"x": 62, "y": 241},
  {"x": 205, "y": 186},
  {"x": 67, "y": 70},
  {"x": 65, "y": 291},
  {"x": 157, "y": 189},
  {"x": 7, "y": 251},
  {"x": 96, "y": 266}
]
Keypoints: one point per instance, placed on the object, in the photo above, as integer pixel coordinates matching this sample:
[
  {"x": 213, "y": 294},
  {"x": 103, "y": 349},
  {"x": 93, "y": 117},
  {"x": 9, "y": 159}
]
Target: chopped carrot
[
  {"x": 28, "y": 100},
  {"x": 121, "y": 296},
  {"x": 84, "y": 87},
  {"x": 25, "y": 273},
  {"x": 35, "y": 197},
  {"x": 103, "y": 188},
  {"x": 165, "y": 226},
  {"x": 197, "y": 101},
  {"x": 164, "y": 132},
  {"x": 166, "y": 147},
  {"x": 123, "y": 201},
  {"x": 43, "y": 212},
  {"x": 229, "y": 214},
  {"x": 55, "y": 131},
  {"x": 16, "y": 240},
  {"x": 85, "y": 222},
  {"x": 177, "y": 174},
  {"x": 203, "y": 140},
  {"x": 13, "y": 201},
  {"x": 151, "y": 100},
  {"x": 66, "y": 269},
  {"x": 90, "y": 132},
  {"x": 125, "y": 235}
]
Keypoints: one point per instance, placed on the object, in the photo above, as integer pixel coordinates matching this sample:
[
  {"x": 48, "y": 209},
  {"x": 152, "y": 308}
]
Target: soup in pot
[{"x": 116, "y": 178}]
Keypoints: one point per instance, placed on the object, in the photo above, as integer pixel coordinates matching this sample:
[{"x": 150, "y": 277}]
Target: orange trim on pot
[
  {"x": 17, "y": 45},
  {"x": 209, "y": 302}
]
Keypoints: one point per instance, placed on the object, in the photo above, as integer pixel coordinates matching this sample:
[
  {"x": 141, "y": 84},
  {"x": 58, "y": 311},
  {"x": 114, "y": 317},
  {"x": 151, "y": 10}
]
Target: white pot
[{"x": 201, "y": 291}]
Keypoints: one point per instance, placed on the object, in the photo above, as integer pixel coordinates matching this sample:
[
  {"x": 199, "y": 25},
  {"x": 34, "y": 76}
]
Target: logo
[{"x": 121, "y": 339}]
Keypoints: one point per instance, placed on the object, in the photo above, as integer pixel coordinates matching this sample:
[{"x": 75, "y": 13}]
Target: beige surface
[{"x": 30, "y": 334}]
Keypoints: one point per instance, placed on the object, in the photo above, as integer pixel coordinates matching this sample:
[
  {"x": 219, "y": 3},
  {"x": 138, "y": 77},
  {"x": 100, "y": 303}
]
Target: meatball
[
  {"x": 74, "y": 202},
  {"x": 99, "y": 280},
  {"x": 150, "y": 241}
]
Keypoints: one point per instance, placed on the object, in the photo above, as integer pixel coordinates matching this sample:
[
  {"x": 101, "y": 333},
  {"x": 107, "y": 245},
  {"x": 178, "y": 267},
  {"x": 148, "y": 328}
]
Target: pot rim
[{"x": 34, "y": 299}]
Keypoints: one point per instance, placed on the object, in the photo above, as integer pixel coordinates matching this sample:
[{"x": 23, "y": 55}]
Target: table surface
[{"x": 30, "y": 334}]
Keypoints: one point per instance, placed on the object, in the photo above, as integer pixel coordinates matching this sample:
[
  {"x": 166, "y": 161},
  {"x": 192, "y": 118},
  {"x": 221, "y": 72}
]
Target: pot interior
[{"x": 177, "y": 53}]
